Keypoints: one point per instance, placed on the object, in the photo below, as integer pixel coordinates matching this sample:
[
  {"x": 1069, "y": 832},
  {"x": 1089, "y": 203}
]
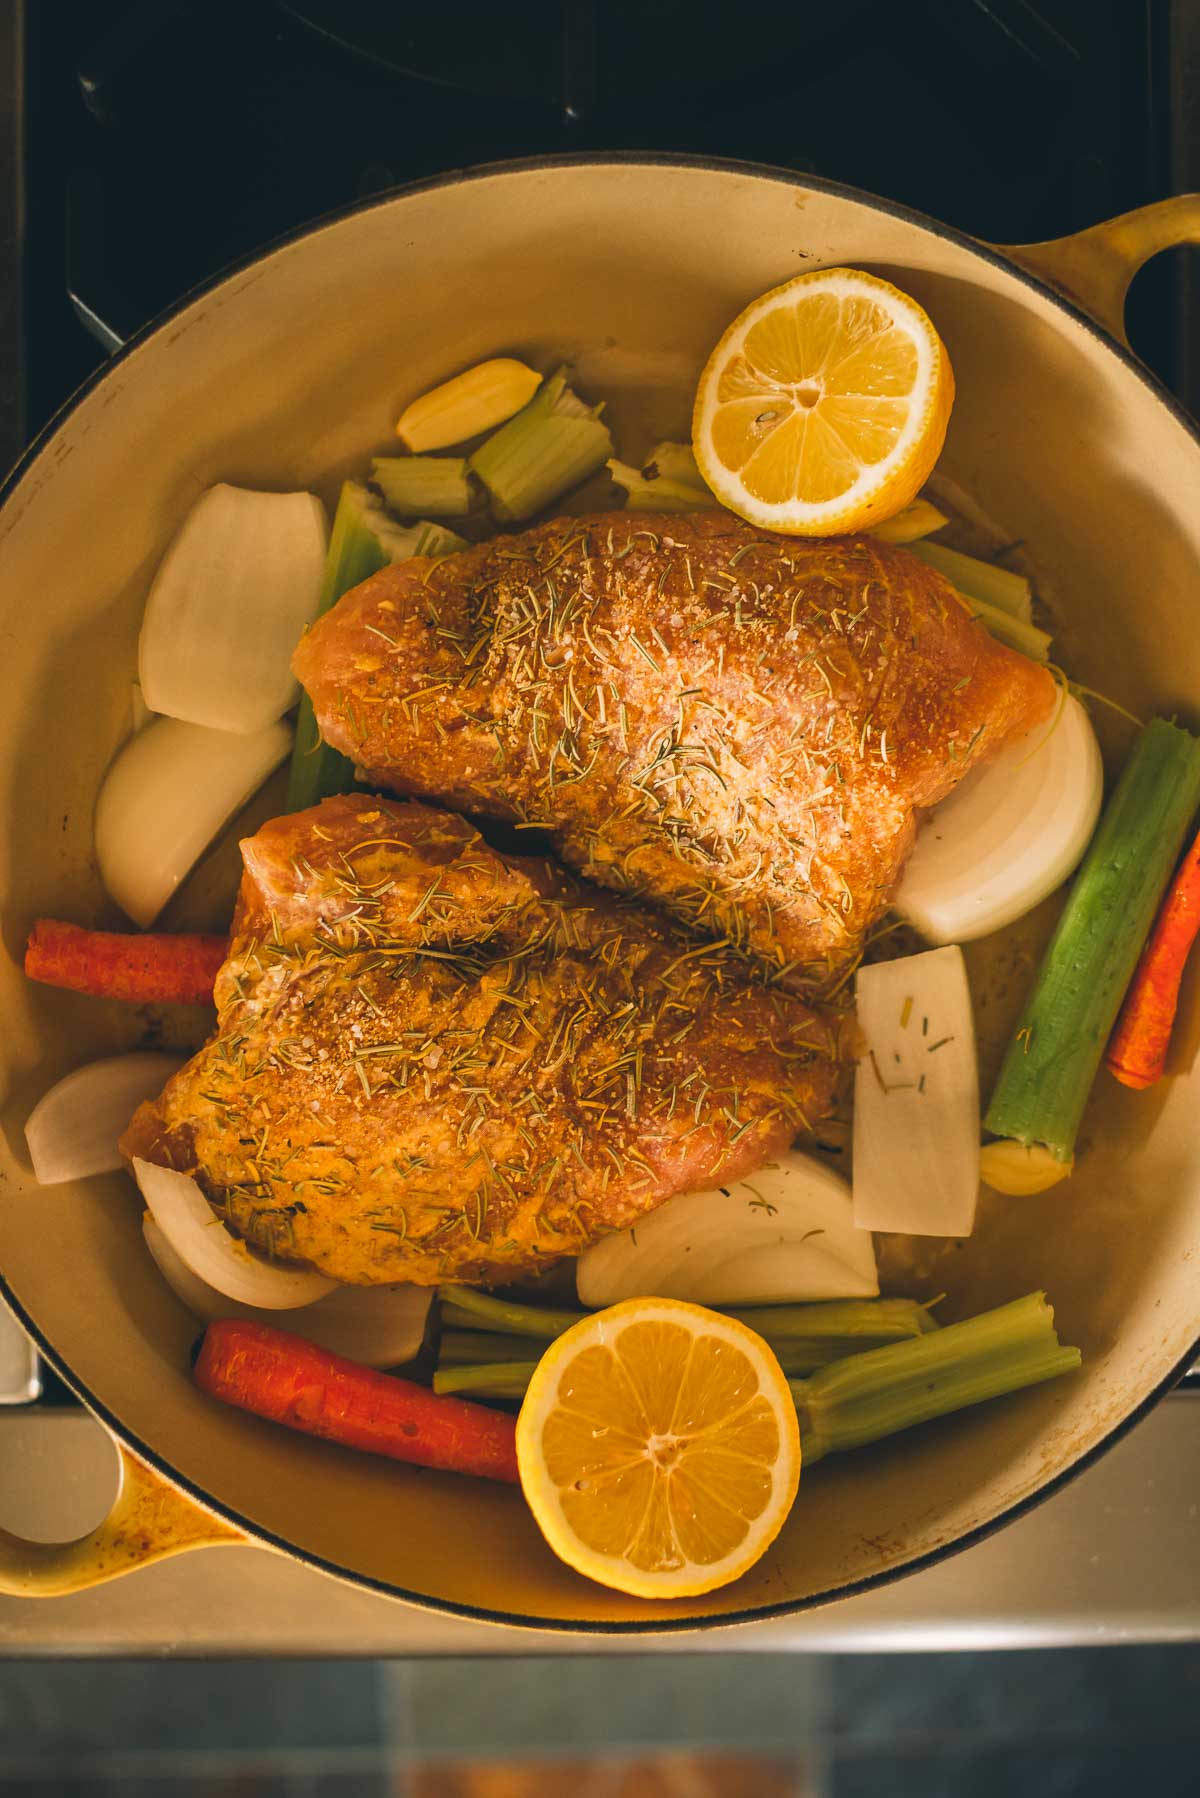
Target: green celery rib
[
  {"x": 659, "y": 493},
  {"x": 999, "y": 588},
  {"x": 670, "y": 461},
  {"x": 354, "y": 554},
  {"x": 463, "y": 1307},
  {"x": 494, "y": 1379},
  {"x": 795, "y": 1354},
  {"x": 836, "y": 1320},
  {"x": 468, "y": 1348},
  {"x": 424, "y": 538},
  {"x": 1053, "y": 1057},
  {"x": 828, "y": 1320},
  {"x": 364, "y": 539},
  {"x": 1026, "y": 639},
  {"x": 804, "y": 1354},
  {"x": 553, "y": 444},
  {"x": 859, "y": 1399},
  {"x": 426, "y": 486}
]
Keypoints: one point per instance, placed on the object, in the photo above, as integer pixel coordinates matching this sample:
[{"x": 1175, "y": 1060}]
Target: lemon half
[
  {"x": 824, "y": 406},
  {"x": 658, "y": 1448}
]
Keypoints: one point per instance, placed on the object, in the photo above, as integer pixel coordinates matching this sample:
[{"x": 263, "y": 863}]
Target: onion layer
[
  {"x": 73, "y": 1130},
  {"x": 188, "y": 1221},
  {"x": 785, "y": 1234},
  {"x": 1008, "y": 835},
  {"x": 229, "y": 603},
  {"x": 916, "y": 1098},
  {"x": 379, "y": 1326},
  {"x": 168, "y": 794}
]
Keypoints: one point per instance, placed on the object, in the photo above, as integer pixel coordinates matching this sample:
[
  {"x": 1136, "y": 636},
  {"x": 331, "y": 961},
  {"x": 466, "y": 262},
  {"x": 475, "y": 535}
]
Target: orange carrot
[
  {"x": 289, "y": 1381},
  {"x": 144, "y": 969},
  {"x": 1137, "y": 1050}
]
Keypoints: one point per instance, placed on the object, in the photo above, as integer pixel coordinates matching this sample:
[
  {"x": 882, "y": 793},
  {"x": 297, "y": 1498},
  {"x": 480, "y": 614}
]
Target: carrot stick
[
  {"x": 1137, "y": 1050},
  {"x": 144, "y": 969},
  {"x": 289, "y": 1381}
]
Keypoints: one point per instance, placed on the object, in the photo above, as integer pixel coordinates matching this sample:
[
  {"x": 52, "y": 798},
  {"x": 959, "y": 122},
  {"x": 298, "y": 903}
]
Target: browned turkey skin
[
  {"x": 739, "y": 726},
  {"x": 433, "y": 1062}
]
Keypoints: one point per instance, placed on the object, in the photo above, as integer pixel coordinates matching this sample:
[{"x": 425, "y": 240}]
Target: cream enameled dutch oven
[{"x": 287, "y": 373}]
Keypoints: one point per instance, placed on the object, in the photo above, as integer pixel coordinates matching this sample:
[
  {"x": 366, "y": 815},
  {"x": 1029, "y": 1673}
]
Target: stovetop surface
[{"x": 168, "y": 138}]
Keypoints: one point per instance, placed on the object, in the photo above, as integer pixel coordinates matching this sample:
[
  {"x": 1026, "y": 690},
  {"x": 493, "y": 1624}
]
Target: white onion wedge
[
  {"x": 167, "y": 795},
  {"x": 203, "y": 1244},
  {"x": 229, "y": 603},
  {"x": 1008, "y": 835},
  {"x": 72, "y": 1131},
  {"x": 202, "y": 1300},
  {"x": 786, "y": 1233},
  {"x": 379, "y": 1326},
  {"x": 916, "y": 1098}
]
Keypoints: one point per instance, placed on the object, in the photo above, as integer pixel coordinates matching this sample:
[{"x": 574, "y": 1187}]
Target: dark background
[
  {"x": 163, "y": 140},
  {"x": 167, "y": 138}
]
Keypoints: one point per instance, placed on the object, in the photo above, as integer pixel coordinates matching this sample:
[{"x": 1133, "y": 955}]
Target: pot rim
[{"x": 256, "y": 1533}]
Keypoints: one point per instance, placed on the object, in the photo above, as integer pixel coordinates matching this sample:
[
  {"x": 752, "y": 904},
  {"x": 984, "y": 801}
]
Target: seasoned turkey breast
[{"x": 740, "y": 727}]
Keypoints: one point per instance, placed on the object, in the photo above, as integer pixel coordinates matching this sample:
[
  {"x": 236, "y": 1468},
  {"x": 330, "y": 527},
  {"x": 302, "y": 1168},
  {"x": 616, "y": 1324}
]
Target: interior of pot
[{"x": 290, "y": 374}]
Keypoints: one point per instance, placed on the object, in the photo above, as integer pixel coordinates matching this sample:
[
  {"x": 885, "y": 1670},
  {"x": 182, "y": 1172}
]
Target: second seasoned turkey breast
[{"x": 433, "y": 1062}]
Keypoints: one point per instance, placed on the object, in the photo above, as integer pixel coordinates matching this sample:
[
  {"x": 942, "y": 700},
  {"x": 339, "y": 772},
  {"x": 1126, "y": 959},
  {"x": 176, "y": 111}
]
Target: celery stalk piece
[
  {"x": 835, "y": 1320},
  {"x": 427, "y": 486},
  {"x": 493, "y": 1379},
  {"x": 552, "y": 445},
  {"x": 424, "y": 537},
  {"x": 658, "y": 495},
  {"x": 469, "y": 1348},
  {"x": 478, "y": 1349},
  {"x": 669, "y": 480},
  {"x": 465, "y": 1308},
  {"x": 669, "y": 461},
  {"x": 358, "y": 548},
  {"x": 863, "y": 1397},
  {"x": 481, "y": 1349},
  {"x": 1026, "y": 639},
  {"x": 834, "y": 1329},
  {"x": 365, "y": 538},
  {"x": 478, "y": 1327},
  {"x": 799, "y": 1355},
  {"x": 1052, "y": 1060},
  {"x": 998, "y": 587},
  {"x": 919, "y": 519}
]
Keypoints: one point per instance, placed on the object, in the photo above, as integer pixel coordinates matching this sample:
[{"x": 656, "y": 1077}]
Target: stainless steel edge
[
  {"x": 1115, "y": 1557},
  {"x": 20, "y": 1374}
]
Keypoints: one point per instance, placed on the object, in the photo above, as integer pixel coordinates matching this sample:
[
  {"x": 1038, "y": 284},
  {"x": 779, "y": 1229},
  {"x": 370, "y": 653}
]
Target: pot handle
[
  {"x": 1094, "y": 267},
  {"x": 150, "y": 1520}
]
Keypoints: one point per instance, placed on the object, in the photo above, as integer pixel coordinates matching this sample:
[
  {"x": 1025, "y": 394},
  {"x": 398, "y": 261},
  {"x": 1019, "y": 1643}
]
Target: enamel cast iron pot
[{"x": 287, "y": 373}]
